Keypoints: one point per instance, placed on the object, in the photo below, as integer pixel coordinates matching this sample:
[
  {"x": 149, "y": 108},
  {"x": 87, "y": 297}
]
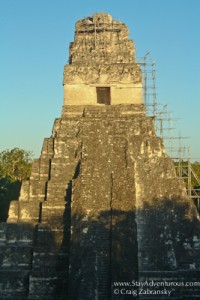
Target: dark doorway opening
[{"x": 103, "y": 95}]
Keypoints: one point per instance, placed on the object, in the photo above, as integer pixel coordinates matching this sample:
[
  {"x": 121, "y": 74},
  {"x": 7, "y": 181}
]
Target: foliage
[
  {"x": 196, "y": 168},
  {"x": 15, "y": 166},
  {"x": 182, "y": 168}
]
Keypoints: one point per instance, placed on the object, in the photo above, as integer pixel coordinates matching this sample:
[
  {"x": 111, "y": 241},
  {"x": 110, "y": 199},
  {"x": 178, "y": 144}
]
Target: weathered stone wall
[
  {"x": 112, "y": 210},
  {"x": 103, "y": 202},
  {"x": 16, "y": 254},
  {"x": 102, "y": 55},
  {"x": 82, "y": 94}
]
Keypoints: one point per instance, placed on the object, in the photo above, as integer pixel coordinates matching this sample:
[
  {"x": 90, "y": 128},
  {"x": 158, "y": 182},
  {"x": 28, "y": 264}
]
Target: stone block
[
  {"x": 13, "y": 214},
  {"x": 49, "y": 239},
  {"x": 42, "y": 286},
  {"x": 24, "y": 192},
  {"x": 29, "y": 211},
  {"x": 13, "y": 257},
  {"x": 50, "y": 261},
  {"x": 14, "y": 284}
]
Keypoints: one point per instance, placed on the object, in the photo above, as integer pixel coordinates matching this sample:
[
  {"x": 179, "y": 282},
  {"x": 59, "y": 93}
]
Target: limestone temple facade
[
  {"x": 103, "y": 203},
  {"x": 102, "y": 67}
]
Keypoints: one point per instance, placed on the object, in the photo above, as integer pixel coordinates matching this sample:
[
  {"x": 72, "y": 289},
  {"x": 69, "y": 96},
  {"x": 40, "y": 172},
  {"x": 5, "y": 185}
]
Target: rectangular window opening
[{"x": 103, "y": 95}]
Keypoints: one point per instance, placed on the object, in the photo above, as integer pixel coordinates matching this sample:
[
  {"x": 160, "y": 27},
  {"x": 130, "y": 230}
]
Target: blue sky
[{"x": 35, "y": 36}]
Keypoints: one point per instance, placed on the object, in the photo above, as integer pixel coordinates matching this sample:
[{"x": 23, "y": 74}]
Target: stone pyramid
[{"x": 103, "y": 210}]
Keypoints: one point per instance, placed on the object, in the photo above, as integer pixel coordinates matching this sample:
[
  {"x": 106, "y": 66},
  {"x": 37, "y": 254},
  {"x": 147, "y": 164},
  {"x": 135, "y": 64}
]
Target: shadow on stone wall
[
  {"x": 92, "y": 253},
  {"x": 101, "y": 251},
  {"x": 163, "y": 236},
  {"x": 16, "y": 245},
  {"x": 9, "y": 190},
  {"x": 169, "y": 234}
]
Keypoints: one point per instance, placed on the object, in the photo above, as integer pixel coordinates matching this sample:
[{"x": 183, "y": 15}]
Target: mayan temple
[{"x": 103, "y": 204}]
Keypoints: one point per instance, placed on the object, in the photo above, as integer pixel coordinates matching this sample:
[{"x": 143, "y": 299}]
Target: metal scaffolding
[{"x": 164, "y": 128}]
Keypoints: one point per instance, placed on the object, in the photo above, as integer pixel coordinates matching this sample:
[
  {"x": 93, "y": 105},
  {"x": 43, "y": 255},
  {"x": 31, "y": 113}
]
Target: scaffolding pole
[{"x": 163, "y": 123}]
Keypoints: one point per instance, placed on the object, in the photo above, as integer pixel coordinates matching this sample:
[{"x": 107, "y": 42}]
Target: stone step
[
  {"x": 13, "y": 257},
  {"x": 55, "y": 197},
  {"x": 53, "y": 213},
  {"x": 53, "y": 261},
  {"x": 37, "y": 187},
  {"x": 169, "y": 274},
  {"x": 184, "y": 292},
  {"x": 13, "y": 284},
  {"x": 29, "y": 211},
  {"x": 49, "y": 239},
  {"x": 17, "y": 234},
  {"x": 53, "y": 286},
  {"x": 42, "y": 286}
]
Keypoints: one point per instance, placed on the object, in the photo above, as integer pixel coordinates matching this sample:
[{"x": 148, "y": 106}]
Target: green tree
[
  {"x": 15, "y": 166},
  {"x": 196, "y": 168}
]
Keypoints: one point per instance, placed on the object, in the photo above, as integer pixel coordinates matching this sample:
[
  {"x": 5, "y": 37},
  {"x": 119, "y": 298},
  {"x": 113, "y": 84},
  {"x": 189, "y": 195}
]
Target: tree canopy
[{"x": 15, "y": 166}]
